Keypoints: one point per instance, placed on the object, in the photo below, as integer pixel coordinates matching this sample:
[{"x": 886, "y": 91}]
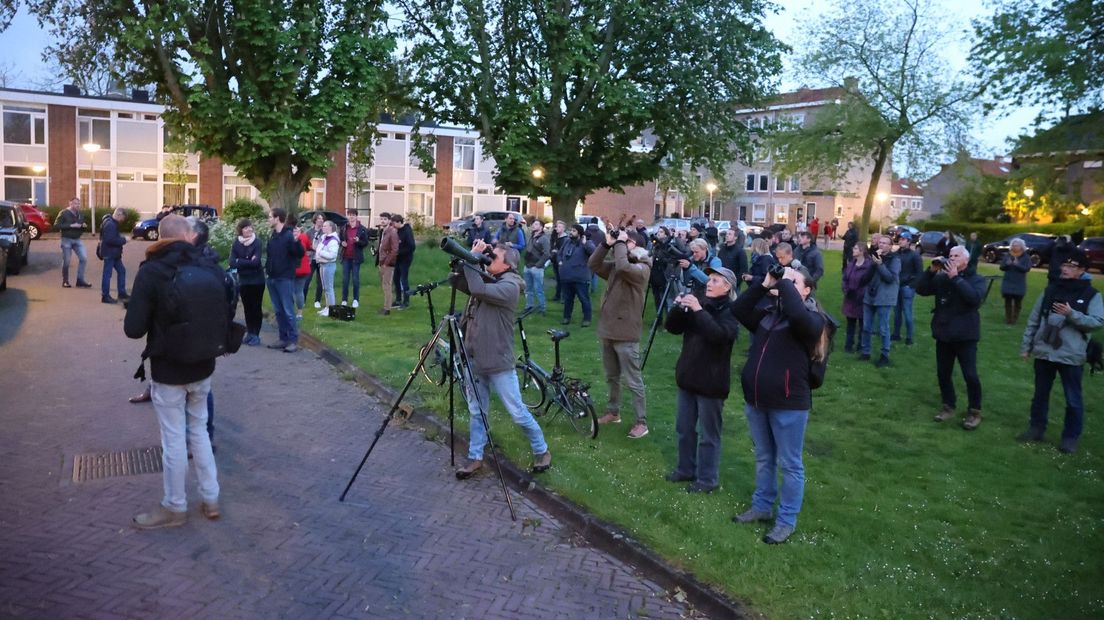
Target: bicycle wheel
[
  {"x": 434, "y": 367},
  {"x": 579, "y": 412},
  {"x": 532, "y": 388}
]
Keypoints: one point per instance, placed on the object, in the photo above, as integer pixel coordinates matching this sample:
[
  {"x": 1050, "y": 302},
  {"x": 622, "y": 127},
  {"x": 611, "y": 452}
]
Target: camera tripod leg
[{"x": 655, "y": 323}]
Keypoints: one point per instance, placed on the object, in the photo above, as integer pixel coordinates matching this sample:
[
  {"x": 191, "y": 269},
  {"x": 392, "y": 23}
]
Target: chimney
[
  {"x": 71, "y": 90},
  {"x": 851, "y": 83},
  {"x": 139, "y": 95}
]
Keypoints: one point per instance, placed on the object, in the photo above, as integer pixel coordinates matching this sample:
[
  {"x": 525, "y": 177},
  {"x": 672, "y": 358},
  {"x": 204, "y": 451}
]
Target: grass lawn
[{"x": 902, "y": 516}]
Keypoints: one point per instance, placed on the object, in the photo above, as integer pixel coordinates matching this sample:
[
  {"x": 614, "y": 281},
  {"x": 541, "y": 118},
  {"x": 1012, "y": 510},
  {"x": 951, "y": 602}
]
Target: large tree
[
  {"x": 272, "y": 87},
  {"x": 900, "y": 101},
  {"x": 570, "y": 86}
]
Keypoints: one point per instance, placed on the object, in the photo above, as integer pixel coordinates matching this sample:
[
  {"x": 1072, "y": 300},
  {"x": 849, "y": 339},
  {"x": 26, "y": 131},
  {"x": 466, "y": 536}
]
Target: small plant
[{"x": 243, "y": 208}]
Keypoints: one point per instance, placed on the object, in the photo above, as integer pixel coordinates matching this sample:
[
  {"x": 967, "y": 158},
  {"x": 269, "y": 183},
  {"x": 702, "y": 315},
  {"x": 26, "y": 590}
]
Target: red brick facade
[
  {"x": 442, "y": 189},
  {"x": 210, "y": 182},
  {"x": 62, "y": 121},
  {"x": 638, "y": 201}
]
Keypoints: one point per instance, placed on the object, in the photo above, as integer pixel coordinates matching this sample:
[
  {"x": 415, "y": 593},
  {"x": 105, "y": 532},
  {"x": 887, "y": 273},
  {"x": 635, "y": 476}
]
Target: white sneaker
[
  {"x": 344, "y": 303},
  {"x": 356, "y": 303},
  {"x": 317, "y": 304},
  {"x": 324, "y": 312}
]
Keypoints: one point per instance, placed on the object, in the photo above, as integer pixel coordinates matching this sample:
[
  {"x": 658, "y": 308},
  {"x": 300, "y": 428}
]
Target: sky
[{"x": 24, "y": 41}]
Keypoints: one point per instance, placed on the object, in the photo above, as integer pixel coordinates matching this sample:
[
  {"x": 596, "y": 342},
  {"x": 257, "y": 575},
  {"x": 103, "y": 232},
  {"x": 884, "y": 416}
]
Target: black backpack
[
  {"x": 198, "y": 300},
  {"x": 817, "y": 370}
]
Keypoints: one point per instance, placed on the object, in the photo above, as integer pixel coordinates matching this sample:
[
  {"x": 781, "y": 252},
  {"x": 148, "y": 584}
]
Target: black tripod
[
  {"x": 458, "y": 351},
  {"x": 674, "y": 284}
]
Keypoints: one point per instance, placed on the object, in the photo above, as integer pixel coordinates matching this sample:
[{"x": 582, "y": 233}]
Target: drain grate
[{"x": 112, "y": 464}]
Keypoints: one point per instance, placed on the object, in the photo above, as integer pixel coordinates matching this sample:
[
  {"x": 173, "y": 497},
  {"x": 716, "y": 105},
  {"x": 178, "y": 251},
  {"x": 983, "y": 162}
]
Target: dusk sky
[{"x": 24, "y": 40}]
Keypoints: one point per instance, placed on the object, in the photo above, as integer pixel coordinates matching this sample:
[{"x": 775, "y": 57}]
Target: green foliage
[
  {"x": 570, "y": 85},
  {"x": 223, "y": 232},
  {"x": 979, "y": 200},
  {"x": 244, "y": 208}
]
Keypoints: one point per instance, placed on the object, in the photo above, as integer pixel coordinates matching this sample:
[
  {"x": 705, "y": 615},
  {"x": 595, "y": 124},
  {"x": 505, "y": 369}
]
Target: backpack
[
  {"x": 817, "y": 370},
  {"x": 198, "y": 302},
  {"x": 1094, "y": 355}
]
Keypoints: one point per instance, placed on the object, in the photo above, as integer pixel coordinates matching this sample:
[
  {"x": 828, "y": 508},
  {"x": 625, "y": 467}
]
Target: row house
[{"x": 906, "y": 197}]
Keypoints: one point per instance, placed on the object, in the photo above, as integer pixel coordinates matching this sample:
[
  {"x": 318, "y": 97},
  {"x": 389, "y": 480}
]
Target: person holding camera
[
  {"x": 1015, "y": 265},
  {"x": 789, "y": 335},
  {"x": 620, "y": 317},
  {"x": 703, "y": 375},
  {"x": 693, "y": 268},
  {"x": 478, "y": 231},
  {"x": 663, "y": 257},
  {"x": 880, "y": 298},
  {"x": 1057, "y": 336},
  {"x": 574, "y": 274},
  {"x": 537, "y": 253},
  {"x": 488, "y": 325},
  {"x": 911, "y": 267},
  {"x": 956, "y": 327},
  {"x": 856, "y": 277}
]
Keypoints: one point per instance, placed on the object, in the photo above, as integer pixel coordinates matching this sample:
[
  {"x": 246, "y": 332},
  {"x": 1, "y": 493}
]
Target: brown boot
[
  {"x": 542, "y": 462},
  {"x": 946, "y": 413},
  {"x": 469, "y": 470},
  {"x": 973, "y": 419},
  {"x": 160, "y": 517}
]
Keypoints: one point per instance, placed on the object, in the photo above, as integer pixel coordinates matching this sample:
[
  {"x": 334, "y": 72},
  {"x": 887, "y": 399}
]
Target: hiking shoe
[
  {"x": 210, "y": 509},
  {"x": 610, "y": 418},
  {"x": 973, "y": 419},
  {"x": 638, "y": 431},
  {"x": 158, "y": 518},
  {"x": 752, "y": 516},
  {"x": 1033, "y": 433},
  {"x": 698, "y": 487},
  {"x": 864, "y": 357},
  {"x": 542, "y": 462},
  {"x": 677, "y": 477},
  {"x": 279, "y": 344},
  {"x": 946, "y": 413},
  {"x": 1068, "y": 445},
  {"x": 470, "y": 469},
  {"x": 882, "y": 362},
  {"x": 356, "y": 303},
  {"x": 778, "y": 534},
  {"x": 291, "y": 348}
]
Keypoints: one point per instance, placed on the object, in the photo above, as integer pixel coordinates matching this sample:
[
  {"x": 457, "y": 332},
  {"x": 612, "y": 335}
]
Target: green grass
[{"x": 902, "y": 516}]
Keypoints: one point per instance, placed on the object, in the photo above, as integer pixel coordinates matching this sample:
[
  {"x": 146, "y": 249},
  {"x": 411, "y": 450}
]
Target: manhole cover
[{"x": 111, "y": 464}]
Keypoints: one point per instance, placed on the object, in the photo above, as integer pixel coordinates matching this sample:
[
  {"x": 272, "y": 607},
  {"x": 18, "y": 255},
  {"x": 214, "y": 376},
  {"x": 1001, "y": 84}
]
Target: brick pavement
[{"x": 409, "y": 542}]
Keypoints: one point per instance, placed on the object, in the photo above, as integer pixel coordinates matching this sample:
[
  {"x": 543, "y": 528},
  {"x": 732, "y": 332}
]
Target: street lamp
[
  {"x": 91, "y": 148},
  {"x": 538, "y": 173},
  {"x": 711, "y": 187},
  {"x": 1029, "y": 192}
]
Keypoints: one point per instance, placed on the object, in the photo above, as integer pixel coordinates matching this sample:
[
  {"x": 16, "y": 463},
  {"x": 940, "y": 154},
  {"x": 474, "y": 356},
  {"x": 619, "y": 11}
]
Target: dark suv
[
  {"x": 1039, "y": 246},
  {"x": 1093, "y": 247},
  {"x": 147, "y": 229},
  {"x": 14, "y": 229}
]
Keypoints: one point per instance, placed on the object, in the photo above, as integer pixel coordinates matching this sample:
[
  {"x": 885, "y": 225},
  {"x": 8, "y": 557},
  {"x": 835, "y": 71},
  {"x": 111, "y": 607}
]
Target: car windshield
[{"x": 7, "y": 218}]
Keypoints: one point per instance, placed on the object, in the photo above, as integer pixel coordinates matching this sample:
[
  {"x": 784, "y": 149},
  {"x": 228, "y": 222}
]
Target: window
[
  {"x": 96, "y": 130},
  {"x": 839, "y": 210},
  {"x": 400, "y": 136},
  {"x": 749, "y": 182},
  {"x": 23, "y": 183},
  {"x": 759, "y": 213},
  {"x": 915, "y": 205},
  {"x": 483, "y": 191},
  {"x": 795, "y": 186},
  {"x": 779, "y": 184},
  {"x": 150, "y": 117},
  {"x": 24, "y": 125},
  {"x": 398, "y": 187},
  {"x": 463, "y": 201},
  {"x": 781, "y": 215},
  {"x": 764, "y": 183},
  {"x": 149, "y": 178},
  {"x": 127, "y": 115},
  {"x": 17, "y": 190},
  {"x": 124, "y": 176},
  {"x": 380, "y": 187},
  {"x": 892, "y": 203},
  {"x": 463, "y": 154}
]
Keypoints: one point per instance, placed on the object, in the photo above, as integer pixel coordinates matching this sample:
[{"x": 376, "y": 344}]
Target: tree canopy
[{"x": 571, "y": 86}]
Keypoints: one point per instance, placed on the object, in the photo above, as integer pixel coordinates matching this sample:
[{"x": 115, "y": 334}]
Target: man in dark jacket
[
  {"x": 574, "y": 274},
  {"x": 808, "y": 255},
  {"x": 71, "y": 224},
  {"x": 555, "y": 240},
  {"x": 512, "y": 233},
  {"x": 956, "y": 327},
  {"x": 478, "y": 231},
  {"x": 537, "y": 253},
  {"x": 354, "y": 238},
  {"x": 283, "y": 256},
  {"x": 850, "y": 238},
  {"x": 911, "y": 268},
  {"x": 407, "y": 245},
  {"x": 488, "y": 324},
  {"x": 111, "y": 247},
  {"x": 880, "y": 298},
  {"x": 179, "y": 387}
]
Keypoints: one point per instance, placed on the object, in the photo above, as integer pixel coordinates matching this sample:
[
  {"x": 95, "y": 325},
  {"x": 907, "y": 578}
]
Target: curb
[{"x": 600, "y": 534}]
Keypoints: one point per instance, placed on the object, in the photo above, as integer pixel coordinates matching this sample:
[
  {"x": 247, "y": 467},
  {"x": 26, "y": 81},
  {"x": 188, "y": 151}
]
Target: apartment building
[{"x": 906, "y": 196}]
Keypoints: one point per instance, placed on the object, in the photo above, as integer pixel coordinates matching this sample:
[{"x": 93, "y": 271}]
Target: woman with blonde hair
[
  {"x": 1015, "y": 265},
  {"x": 326, "y": 250}
]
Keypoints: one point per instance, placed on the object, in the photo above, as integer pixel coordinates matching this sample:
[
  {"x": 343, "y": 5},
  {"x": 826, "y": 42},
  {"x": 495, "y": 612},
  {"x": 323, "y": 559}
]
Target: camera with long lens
[
  {"x": 942, "y": 262},
  {"x": 776, "y": 270},
  {"x": 668, "y": 251},
  {"x": 454, "y": 249}
]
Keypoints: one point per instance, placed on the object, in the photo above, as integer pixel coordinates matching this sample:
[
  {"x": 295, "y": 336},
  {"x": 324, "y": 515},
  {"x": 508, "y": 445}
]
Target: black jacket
[
  {"x": 786, "y": 331},
  {"x": 146, "y": 313},
  {"x": 472, "y": 233},
  {"x": 284, "y": 254},
  {"x": 911, "y": 267},
  {"x": 358, "y": 247},
  {"x": 247, "y": 260},
  {"x": 705, "y": 364},
  {"x": 730, "y": 257},
  {"x": 111, "y": 242},
  {"x": 406, "y": 243},
  {"x": 955, "y": 317},
  {"x": 811, "y": 259}
]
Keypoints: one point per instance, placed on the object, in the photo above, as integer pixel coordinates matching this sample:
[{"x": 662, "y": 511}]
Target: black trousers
[
  {"x": 966, "y": 353},
  {"x": 251, "y": 297}
]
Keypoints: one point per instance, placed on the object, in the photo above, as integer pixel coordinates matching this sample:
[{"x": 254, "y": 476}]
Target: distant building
[
  {"x": 905, "y": 196},
  {"x": 1075, "y": 148},
  {"x": 954, "y": 177}
]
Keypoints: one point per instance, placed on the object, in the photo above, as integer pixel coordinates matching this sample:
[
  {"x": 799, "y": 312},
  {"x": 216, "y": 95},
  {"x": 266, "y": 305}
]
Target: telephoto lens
[{"x": 777, "y": 270}]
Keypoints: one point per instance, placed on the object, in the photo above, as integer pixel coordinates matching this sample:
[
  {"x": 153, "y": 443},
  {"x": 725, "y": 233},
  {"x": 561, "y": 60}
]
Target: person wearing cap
[
  {"x": 703, "y": 375},
  {"x": 1057, "y": 337},
  {"x": 620, "y": 318},
  {"x": 956, "y": 327},
  {"x": 693, "y": 270},
  {"x": 574, "y": 274},
  {"x": 911, "y": 268}
]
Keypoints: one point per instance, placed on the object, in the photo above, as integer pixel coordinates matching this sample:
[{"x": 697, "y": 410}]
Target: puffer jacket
[
  {"x": 488, "y": 319},
  {"x": 1063, "y": 339},
  {"x": 620, "y": 315}
]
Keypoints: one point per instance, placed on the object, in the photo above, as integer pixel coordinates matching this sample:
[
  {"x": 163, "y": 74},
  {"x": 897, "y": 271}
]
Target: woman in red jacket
[{"x": 302, "y": 274}]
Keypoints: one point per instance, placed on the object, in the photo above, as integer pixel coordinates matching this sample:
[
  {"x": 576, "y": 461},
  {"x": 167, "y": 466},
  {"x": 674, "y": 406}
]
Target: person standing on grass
[
  {"x": 574, "y": 274},
  {"x": 315, "y": 235},
  {"x": 478, "y": 231},
  {"x": 245, "y": 257},
  {"x": 388, "y": 255},
  {"x": 850, "y": 238},
  {"x": 880, "y": 298},
  {"x": 620, "y": 318},
  {"x": 283, "y": 254},
  {"x": 354, "y": 238},
  {"x": 511, "y": 233},
  {"x": 856, "y": 275},
  {"x": 788, "y": 336},
  {"x": 556, "y": 239},
  {"x": 703, "y": 375},
  {"x": 1015, "y": 265},
  {"x": 303, "y": 273},
  {"x": 1057, "y": 337},
  {"x": 973, "y": 246},
  {"x": 911, "y": 268},
  {"x": 326, "y": 252},
  {"x": 537, "y": 253},
  {"x": 111, "y": 243},
  {"x": 403, "y": 261},
  {"x": 808, "y": 254}
]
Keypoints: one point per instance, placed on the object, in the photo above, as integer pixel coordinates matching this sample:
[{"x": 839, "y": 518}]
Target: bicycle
[
  {"x": 436, "y": 368},
  {"x": 570, "y": 395}
]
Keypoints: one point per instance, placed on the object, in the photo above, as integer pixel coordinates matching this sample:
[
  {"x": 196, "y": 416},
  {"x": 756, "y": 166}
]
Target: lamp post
[
  {"x": 711, "y": 187},
  {"x": 91, "y": 148}
]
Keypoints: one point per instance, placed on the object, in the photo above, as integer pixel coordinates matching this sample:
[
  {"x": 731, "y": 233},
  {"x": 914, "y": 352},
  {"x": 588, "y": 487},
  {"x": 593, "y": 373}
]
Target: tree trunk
[
  {"x": 872, "y": 190},
  {"x": 563, "y": 207},
  {"x": 285, "y": 193}
]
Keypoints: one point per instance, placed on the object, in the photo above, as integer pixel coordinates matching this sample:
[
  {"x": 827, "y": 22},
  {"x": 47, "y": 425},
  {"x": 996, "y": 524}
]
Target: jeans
[
  {"x": 251, "y": 297},
  {"x": 698, "y": 425},
  {"x": 73, "y": 245},
  {"x": 853, "y": 325},
  {"x": 182, "y": 410},
  {"x": 571, "y": 290},
  {"x": 621, "y": 359},
  {"x": 966, "y": 353},
  {"x": 402, "y": 277},
  {"x": 387, "y": 275},
  {"x": 115, "y": 264},
  {"x": 316, "y": 275},
  {"x": 478, "y": 396},
  {"x": 534, "y": 288},
  {"x": 350, "y": 271},
  {"x": 1071, "y": 385},
  {"x": 328, "y": 271},
  {"x": 905, "y": 295},
  {"x": 779, "y": 436},
  {"x": 283, "y": 306},
  {"x": 299, "y": 291},
  {"x": 870, "y": 314}
]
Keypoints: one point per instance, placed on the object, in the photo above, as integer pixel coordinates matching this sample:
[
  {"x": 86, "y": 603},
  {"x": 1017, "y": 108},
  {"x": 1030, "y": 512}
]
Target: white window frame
[
  {"x": 462, "y": 149},
  {"x": 35, "y": 116},
  {"x": 749, "y": 182}
]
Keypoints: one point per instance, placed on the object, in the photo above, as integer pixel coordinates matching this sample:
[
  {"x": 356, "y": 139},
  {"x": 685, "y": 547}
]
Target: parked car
[
  {"x": 929, "y": 241},
  {"x": 4, "y": 245},
  {"x": 36, "y": 220},
  {"x": 896, "y": 230},
  {"x": 14, "y": 229},
  {"x": 587, "y": 220},
  {"x": 147, "y": 229},
  {"x": 493, "y": 220},
  {"x": 1093, "y": 247},
  {"x": 672, "y": 223},
  {"x": 306, "y": 217},
  {"x": 1039, "y": 246}
]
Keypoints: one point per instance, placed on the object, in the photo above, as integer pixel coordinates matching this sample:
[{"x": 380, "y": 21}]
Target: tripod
[
  {"x": 674, "y": 283},
  {"x": 449, "y": 324}
]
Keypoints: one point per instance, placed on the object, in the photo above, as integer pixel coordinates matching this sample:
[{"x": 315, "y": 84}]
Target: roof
[
  {"x": 906, "y": 187},
  {"x": 809, "y": 95},
  {"x": 992, "y": 167},
  {"x": 1083, "y": 133}
]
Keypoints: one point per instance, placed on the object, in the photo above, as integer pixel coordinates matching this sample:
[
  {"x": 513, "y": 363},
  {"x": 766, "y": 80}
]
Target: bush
[
  {"x": 243, "y": 208},
  {"x": 223, "y": 233}
]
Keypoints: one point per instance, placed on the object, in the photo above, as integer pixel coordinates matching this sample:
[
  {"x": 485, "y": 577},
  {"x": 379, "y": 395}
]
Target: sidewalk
[{"x": 410, "y": 541}]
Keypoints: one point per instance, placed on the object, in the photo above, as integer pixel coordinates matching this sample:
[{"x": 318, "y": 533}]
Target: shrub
[
  {"x": 241, "y": 208},
  {"x": 223, "y": 234}
]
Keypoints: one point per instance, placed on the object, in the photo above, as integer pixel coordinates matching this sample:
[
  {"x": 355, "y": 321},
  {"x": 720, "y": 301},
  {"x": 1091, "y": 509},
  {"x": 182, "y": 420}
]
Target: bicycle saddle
[{"x": 558, "y": 335}]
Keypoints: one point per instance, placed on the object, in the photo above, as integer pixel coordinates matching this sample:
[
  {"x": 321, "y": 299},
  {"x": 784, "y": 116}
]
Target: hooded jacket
[
  {"x": 620, "y": 315},
  {"x": 488, "y": 319}
]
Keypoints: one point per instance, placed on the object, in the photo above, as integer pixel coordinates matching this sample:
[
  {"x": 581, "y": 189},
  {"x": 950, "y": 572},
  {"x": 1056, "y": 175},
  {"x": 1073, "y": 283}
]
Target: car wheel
[
  {"x": 35, "y": 232},
  {"x": 1036, "y": 260},
  {"x": 990, "y": 256},
  {"x": 151, "y": 235}
]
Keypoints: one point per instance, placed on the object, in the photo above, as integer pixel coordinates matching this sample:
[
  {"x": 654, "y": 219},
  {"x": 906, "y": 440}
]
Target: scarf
[
  {"x": 1066, "y": 291},
  {"x": 247, "y": 242}
]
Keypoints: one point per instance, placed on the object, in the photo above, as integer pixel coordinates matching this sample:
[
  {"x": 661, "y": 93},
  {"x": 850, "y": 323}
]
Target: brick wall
[
  {"x": 442, "y": 194},
  {"x": 638, "y": 201},
  {"x": 336, "y": 178},
  {"x": 210, "y": 182},
  {"x": 62, "y": 121}
]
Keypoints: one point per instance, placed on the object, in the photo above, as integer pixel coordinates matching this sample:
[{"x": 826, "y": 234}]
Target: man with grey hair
[
  {"x": 111, "y": 250},
  {"x": 701, "y": 257}
]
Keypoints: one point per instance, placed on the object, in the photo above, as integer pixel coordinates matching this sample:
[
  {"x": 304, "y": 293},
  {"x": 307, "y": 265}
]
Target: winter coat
[
  {"x": 247, "y": 260},
  {"x": 811, "y": 259},
  {"x": 620, "y": 315},
  {"x": 538, "y": 251},
  {"x": 389, "y": 247},
  {"x": 1014, "y": 282},
  {"x": 704, "y": 365},
  {"x": 327, "y": 249},
  {"x": 111, "y": 242},
  {"x": 855, "y": 279},
  {"x": 354, "y": 251},
  {"x": 573, "y": 260},
  {"x": 730, "y": 257},
  {"x": 488, "y": 319},
  {"x": 284, "y": 252},
  {"x": 786, "y": 331},
  {"x": 850, "y": 238},
  {"x": 883, "y": 287},
  {"x": 955, "y": 317},
  {"x": 304, "y": 268},
  {"x": 1063, "y": 339}
]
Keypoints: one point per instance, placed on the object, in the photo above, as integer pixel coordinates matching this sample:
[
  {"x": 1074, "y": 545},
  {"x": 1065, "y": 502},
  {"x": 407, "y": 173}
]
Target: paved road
[{"x": 410, "y": 542}]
